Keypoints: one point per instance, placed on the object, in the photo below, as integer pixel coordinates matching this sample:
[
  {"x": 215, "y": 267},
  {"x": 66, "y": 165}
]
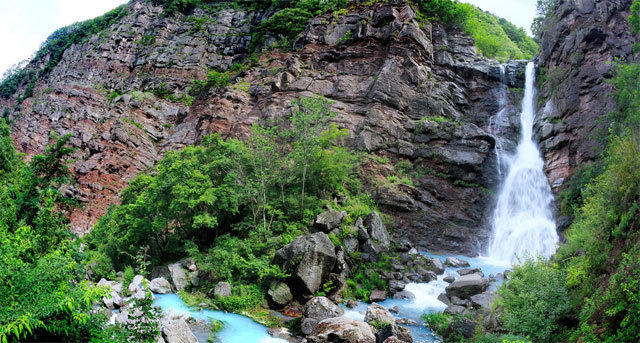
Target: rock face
[
  {"x": 342, "y": 329},
  {"x": 412, "y": 93},
  {"x": 580, "y": 40},
  {"x": 309, "y": 258}
]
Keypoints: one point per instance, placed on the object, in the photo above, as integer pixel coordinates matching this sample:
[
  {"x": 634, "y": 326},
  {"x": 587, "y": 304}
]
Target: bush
[{"x": 535, "y": 300}]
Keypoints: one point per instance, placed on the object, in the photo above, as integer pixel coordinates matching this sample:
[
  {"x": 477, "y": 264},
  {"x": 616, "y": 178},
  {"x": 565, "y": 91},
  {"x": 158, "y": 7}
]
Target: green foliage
[
  {"x": 438, "y": 322},
  {"x": 535, "y": 300},
  {"x": 494, "y": 37},
  {"x": 544, "y": 9},
  {"x": 291, "y": 18},
  {"x": 360, "y": 285},
  {"x": 215, "y": 79},
  {"x": 164, "y": 93},
  {"x": 44, "y": 296},
  {"x": 127, "y": 277},
  {"x": 447, "y": 12},
  {"x": 232, "y": 204},
  {"x": 171, "y": 7},
  {"x": 147, "y": 40},
  {"x": 572, "y": 198}
]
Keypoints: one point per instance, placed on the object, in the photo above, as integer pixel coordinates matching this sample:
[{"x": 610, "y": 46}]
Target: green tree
[{"x": 310, "y": 117}]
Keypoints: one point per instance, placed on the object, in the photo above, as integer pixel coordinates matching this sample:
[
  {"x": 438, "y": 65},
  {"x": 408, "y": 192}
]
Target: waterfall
[{"x": 523, "y": 222}]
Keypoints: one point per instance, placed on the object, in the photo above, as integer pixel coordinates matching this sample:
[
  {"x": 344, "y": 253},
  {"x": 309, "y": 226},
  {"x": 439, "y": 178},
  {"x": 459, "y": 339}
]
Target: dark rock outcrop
[{"x": 578, "y": 44}]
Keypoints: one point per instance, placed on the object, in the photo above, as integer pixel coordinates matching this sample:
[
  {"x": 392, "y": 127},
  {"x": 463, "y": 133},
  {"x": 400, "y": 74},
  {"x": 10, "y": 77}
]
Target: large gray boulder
[
  {"x": 222, "y": 289},
  {"x": 178, "y": 276},
  {"x": 328, "y": 220},
  {"x": 377, "y": 231},
  {"x": 402, "y": 334},
  {"x": 467, "y": 286},
  {"x": 177, "y": 331},
  {"x": 456, "y": 262},
  {"x": 342, "y": 329},
  {"x": 309, "y": 259},
  {"x": 435, "y": 265},
  {"x": 483, "y": 300},
  {"x": 378, "y": 314},
  {"x": 321, "y": 308},
  {"x": 160, "y": 285},
  {"x": 279, "y": 293}
]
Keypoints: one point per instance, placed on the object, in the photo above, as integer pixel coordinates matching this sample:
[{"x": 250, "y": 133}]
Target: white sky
[
  {"x": 25, "y": 24},
  {"x": 519, "y": 12}
]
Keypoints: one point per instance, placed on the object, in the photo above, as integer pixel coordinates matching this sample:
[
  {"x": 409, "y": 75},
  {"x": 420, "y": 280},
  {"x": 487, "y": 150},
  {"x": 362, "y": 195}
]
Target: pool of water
[{"x": 237, "y": 328}]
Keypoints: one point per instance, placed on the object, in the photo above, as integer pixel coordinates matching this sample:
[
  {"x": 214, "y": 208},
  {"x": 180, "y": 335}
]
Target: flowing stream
[{"x": 523, "y": 222}]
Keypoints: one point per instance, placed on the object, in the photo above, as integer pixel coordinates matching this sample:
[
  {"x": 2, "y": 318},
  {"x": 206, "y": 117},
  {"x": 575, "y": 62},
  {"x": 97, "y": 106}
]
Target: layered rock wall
[{"x": 408, "y": 91}]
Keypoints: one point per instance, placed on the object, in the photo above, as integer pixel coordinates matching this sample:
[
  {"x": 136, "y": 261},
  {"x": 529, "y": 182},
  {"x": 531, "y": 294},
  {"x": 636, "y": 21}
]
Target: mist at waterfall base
[{"x": 523, "y": 223}]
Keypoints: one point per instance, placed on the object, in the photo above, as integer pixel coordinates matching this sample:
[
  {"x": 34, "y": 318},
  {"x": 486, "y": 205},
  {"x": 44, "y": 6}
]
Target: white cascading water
[{"x": 523, "y": 221}]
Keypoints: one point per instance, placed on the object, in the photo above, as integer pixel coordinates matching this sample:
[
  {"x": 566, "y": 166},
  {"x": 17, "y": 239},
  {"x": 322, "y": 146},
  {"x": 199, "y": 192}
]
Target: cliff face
[
  {"x": 578, "y": 44},
  {"x": 408, "y": 91}
]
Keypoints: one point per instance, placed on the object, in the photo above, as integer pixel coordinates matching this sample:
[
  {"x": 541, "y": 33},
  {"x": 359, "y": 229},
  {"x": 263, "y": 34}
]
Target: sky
[
  {"x": 25, "y": 24},
  {"x": 519, "y": 12}
]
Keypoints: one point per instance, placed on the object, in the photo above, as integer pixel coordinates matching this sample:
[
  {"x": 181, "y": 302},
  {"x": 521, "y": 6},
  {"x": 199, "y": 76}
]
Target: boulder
[
  {"x": 376, "y": 229},
  {"x": 378, "y": 296},
  {"x": 483, "y": 300},
  {"x": 328, "y": 220},
  {"x": 467, "y": 271},
  {"x": 449, "y": 279},
  {"x": 404, "y": 295},
  {"x": 455, "y": 309},
  {"x": 396, "y": 286},
  {"x": 307, "y": 325},
  {"x": 435, "y": 265},
  {"x": 401, "y": 333},
  {"x": 393, "y": 339},
  {"x": 279, "y": 293},
  {"x": 194, "y": 278},
  {"x": 178, "y": 276},
  {"x": 466, "y": 286},
  {"x": 342, "y": 329},
  {"x": 461, "y": 325},
  {"x": 378, "y": 314},
  {"x": 309, "y": 258},
  {"x": 137, "y": 287},
  {"x": 456, "y": 262},
  {"x": 113, "y": 300},
  {"x": 444, "y": 299},
  {"x": 222, "y": 289},
  {"x": 160, "y": 285},
  {"x": 177, "y": 331},
  {"x": 321, "y": 308}
]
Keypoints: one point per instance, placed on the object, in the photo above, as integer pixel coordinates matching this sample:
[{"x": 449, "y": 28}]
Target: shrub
[{"x": 535, "y": 300}]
